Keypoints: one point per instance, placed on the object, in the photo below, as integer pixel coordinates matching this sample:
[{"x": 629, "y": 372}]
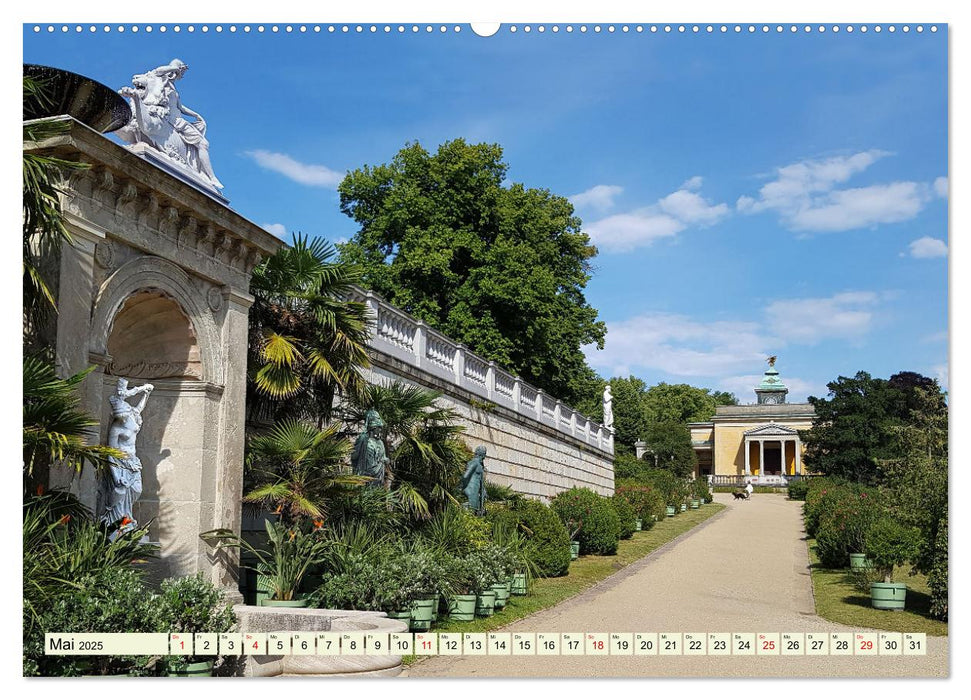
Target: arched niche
[{"x": 153, "y": 338}]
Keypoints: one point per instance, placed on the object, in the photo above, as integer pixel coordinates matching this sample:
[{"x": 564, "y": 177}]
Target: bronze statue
[
  {"x": 473, "y": 481},
  {"x": 368, "y": 457}
]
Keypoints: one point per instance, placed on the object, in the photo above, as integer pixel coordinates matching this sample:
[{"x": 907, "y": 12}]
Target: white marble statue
[
  {"x": 121, "y": 483},
  {"x": 608, "y": 409},
  {"x": 159, "y": 121}
]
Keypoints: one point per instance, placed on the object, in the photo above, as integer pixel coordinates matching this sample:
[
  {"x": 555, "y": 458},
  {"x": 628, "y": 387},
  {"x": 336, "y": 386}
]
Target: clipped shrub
[
  {"x": 626, "y": 515},
  {"x": 889, "y": 544},
  {"x": 547, "y": 539},
  {"x": 844, "y": 522},
  {"x": 646, "y": 500},
  {"x": 797, "y": 490},
  {"x": 700, "y": 490},
  {"x": 599, "y": 526}
]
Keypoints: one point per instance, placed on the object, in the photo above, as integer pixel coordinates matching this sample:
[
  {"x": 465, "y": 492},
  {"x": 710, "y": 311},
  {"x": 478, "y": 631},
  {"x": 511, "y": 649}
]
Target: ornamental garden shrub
[
  {"x": 844, "y": 522},
  {"x": 890, "y": 544},
  {"x": 700, "y": 490},
  {"x": 194, "y": 604},
  {"x": 822, "y": 492},
  {"x": 646, "y": 500},
  {"x": 937, "y": 576},
  {"x": 797, "y": 490},
  {"x": 111, "y": 600},
  {"x": 599, "y": 526},
  {"x": 547, "y": 538},
  {"x": 626, "y": 515}
]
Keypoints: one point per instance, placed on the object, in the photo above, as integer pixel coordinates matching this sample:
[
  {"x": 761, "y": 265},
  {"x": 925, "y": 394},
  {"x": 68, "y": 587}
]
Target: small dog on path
[{"x": 740, "y": 495}]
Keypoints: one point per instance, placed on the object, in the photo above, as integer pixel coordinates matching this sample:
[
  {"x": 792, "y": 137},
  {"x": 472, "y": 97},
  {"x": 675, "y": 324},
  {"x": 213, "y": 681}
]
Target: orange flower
[
  {"x": 40, "y": 489},
  {"x": 126, "y": 520},
  {"x": 64, "y": 520},
  {"x": 318, "y": 523}
]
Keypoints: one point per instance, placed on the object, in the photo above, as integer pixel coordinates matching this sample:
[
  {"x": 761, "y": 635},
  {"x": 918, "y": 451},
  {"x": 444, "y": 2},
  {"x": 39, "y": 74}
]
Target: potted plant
[
  {"x": 890, "y": 544},
  {"x": 291, "y": 553},
  {"x": 192, "y": 605},
  {"x": 574, "y": 527},
  {"x": 671, "y": 511},
  {"x": 859, "y": 562},
  {"x": 463, "y": 584}
]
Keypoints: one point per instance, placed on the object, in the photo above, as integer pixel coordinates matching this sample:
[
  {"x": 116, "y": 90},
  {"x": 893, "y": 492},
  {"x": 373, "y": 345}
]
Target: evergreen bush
[
  {"x": 626, "y": 515},
  {"x": 547, "y": 537},
  {"x": 599, "y": 525}
]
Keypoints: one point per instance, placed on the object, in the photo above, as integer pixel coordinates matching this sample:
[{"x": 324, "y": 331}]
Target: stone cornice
[{"x": 121, "y": 185}]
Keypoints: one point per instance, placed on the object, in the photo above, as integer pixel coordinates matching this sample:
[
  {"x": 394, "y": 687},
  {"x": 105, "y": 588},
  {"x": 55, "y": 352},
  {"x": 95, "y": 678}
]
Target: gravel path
[{"x": 745, "y": 570}]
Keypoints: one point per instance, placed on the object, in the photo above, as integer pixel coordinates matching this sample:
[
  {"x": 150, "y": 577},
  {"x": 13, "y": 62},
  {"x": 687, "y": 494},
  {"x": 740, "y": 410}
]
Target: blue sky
[{"x": 750, "y": 195}]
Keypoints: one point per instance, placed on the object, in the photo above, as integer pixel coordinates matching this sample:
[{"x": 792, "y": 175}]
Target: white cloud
[
  {"x": 667, "y": 217},
  {"x": 600, "y": 197},
  {"x": 743, "y": 386},
  {"x": 928, "y": 247},
  {"x": 303, "y": 173},
  {"x": 278, "y": 230},
  {"x": 848, "y": 315},
  {"x": 939, "y": 337},
  {"x": 678, "y": 345},
  {"x": 692, "y": 183},
  {"x": 940, "y": 187},
  {"x": 941, "y": 375},
  {"x": 805, "y": 195}
]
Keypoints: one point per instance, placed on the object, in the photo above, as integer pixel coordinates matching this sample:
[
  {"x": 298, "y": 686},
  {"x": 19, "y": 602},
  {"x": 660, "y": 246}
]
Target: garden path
[{"x": 744, "y": 570}]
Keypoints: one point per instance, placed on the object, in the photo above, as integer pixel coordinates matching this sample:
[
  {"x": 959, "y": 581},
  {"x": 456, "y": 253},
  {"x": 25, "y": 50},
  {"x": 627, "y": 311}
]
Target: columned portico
[{"x": 775, "y": 444}]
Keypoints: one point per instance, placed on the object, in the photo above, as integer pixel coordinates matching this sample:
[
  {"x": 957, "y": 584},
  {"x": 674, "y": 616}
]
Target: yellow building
[{"x": 759, "y": 439}]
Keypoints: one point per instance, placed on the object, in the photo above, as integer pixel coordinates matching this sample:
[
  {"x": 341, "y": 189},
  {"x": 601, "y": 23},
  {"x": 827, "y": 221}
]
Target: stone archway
[{"x": 152, "y": 324}]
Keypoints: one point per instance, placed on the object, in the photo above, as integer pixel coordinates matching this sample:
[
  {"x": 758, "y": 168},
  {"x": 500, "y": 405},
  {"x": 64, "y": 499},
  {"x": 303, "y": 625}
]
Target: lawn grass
[
  {"x": 584, "y": 573},
  {"x": 838, "y": 600}
]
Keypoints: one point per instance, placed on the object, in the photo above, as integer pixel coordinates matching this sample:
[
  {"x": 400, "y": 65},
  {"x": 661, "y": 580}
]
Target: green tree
[
  {"x": 852, "y": 432},
  {"x": 669, "y": 447},
  {"x": 499, "y": 268},
  {"x": 916, "y": 476},
  {"x": 683, "y": 403},
  {"x": 306, "y": 341}
]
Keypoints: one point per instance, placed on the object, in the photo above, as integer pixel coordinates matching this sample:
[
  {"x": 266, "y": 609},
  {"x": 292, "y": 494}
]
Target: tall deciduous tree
[
  {"x": 683, "y": 403},
  {"x": 501, "y": 268},
  {"x": 669, "y": 448},
  {"x": 853, "y": 431}
]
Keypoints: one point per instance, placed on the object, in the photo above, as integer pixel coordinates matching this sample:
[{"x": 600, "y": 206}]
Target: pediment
[{"x": 771, "y": 429}]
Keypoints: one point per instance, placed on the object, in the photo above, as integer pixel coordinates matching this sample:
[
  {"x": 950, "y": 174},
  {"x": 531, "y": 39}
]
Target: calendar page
[{"x": 543, "y": 349}]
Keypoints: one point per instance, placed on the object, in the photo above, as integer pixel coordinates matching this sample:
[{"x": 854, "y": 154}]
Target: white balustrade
[{"x": 410, "y": 339}]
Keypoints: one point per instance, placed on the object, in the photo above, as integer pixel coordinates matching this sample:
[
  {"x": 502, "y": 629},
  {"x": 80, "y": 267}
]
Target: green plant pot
[
  {"x": 438, "y": 604},
  {"x": 684, "y": 507},
  {"x": 461, "y": 608},
  {"x": 298, "y": 603},
  {"x": 695, "y": 504},
  {"x": 502, "y": 594},
  {"x": 422, "y": 612},
  {"x": 518, "y": 586},
  {"x": 859, "y": 562},
  {"x": 485, "y": 604},
  {"x": 264, "y": 589},
  {"x": 638, "y": 525},
  {"x": 888, "y": 596},
  {"x": 574, "y": 550},
  {"x": 403, "y": 615},
  {"x": 671, "y": 511},
  {"x": 190, "y": 670}
]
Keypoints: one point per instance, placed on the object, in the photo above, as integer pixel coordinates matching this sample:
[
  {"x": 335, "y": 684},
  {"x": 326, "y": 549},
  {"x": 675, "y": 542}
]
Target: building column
[
  {"x": 797, "y": 464},
  {"x": 748, "y": 456},
  {"x": 761, "y": 457}
]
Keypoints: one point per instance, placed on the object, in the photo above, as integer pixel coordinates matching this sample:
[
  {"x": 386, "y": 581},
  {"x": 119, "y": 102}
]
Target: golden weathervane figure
[{"x": 772, "y": 360}]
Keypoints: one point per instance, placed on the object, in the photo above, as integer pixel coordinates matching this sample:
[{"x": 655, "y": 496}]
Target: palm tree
[
  {"x": 43, "y": 222},
  {"x": 422, "y": 441},
  {"x": 296, "y": 469},
  {"x": 56, "y": 429},
  {"x": 306, "y": 340}
]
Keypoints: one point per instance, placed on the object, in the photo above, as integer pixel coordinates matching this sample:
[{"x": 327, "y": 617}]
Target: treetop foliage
[{"x": 499, "y": 267}]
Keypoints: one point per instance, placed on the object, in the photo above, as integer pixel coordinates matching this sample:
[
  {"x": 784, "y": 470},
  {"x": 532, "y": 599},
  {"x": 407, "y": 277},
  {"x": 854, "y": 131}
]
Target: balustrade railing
[{"x": 406, "y": 338}]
